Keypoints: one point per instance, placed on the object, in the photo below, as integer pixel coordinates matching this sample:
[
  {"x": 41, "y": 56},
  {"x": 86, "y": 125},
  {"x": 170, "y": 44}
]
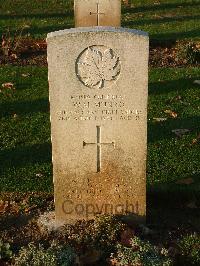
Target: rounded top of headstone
[{"x": 96, "y": 29}]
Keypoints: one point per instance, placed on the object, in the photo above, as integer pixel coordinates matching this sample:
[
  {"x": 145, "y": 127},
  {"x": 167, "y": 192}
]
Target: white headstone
[{"x": 98, "y": 80}]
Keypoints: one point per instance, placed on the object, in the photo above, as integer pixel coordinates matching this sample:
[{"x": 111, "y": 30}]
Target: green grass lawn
[
  {"x": 172, "y": 158},
  {"x": 163, "y": 19},
  {"x": 25, "y": 146},
  {"x": 172, "y": 19},
  {"x": 25, "y": 139}
]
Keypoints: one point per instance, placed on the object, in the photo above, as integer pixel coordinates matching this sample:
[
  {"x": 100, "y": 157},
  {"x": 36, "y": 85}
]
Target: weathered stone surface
[
  {"x": 97, "y": 13},
  {"x": 98, "y": 96}
]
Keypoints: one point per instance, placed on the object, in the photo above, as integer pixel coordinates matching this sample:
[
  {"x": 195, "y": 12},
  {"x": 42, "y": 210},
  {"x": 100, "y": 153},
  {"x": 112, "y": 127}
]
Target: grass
[
  {"x": 171, "y": 158},
  {"x": 25, "y": 131},
  {"x": 37, "y": 17},
  {"x": 163, "y": 19},
  {"x": 25, "y": 146}
]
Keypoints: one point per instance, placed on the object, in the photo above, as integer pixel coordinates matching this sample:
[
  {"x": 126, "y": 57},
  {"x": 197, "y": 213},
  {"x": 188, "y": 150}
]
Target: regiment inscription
[{"x": 98, "y": 108}]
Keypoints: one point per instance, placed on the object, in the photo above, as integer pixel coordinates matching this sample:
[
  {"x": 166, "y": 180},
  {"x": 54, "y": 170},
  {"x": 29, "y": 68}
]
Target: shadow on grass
[
  {"x": 143, "y": 22},
  {"x": 25, "y": 155},
  {"x": 47, "y": 29},
  {"x": 160, "y": 7},
  {"x": 36, "y": 30},
  {"x": 163, "y": 130},
  {"x": 165, "y": 86},
  {"x": 68, "y": 14},
  {"x": 170, "y": 36},
  {"x": 174, "y": 194},
  {"x": 174, "y": 205},
  {"x": 163, "y": 7},
  {"x": 25, "y": 107},
  {"x": 17, "y": 221},
  {"x": 176, "y": 35}
]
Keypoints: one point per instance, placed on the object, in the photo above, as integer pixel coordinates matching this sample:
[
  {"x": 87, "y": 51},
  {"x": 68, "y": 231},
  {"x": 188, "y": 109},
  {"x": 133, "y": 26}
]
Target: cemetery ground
[{"x": 173, "y": 168}]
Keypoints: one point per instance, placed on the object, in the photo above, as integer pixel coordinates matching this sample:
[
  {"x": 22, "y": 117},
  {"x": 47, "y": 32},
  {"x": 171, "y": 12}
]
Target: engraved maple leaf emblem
[{"x": 96, "y": 67}]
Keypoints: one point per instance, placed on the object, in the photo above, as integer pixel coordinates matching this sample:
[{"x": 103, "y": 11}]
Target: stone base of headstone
[{"x": 47, "y": 223}]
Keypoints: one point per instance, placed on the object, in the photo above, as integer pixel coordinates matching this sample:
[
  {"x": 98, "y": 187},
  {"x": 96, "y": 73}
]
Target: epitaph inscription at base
[{"x": 98, "y": 97}]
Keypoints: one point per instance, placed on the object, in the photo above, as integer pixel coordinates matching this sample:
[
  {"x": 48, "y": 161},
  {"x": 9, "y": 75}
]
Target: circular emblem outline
[{"x": 98, "y": 66}]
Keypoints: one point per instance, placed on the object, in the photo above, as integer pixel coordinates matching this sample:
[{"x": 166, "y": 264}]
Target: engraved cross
[
  {"x": 98, "y": 13},
  {"x": 98, "y": 144}
]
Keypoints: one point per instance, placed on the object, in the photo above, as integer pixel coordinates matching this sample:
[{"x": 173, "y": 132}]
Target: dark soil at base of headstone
[{"x": 19, "y": 213}]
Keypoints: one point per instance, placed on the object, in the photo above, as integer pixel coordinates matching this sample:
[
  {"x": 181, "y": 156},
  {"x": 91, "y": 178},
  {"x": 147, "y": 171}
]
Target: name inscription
[{"x": 98, "y": 108}]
